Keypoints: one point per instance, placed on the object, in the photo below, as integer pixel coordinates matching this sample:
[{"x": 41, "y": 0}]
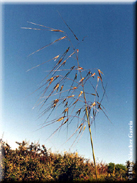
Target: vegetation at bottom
[{"x": 35, "y": 163}]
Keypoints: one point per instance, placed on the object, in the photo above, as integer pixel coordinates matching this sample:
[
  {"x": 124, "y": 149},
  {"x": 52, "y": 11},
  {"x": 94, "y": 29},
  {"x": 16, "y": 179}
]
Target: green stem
[{"x": 89, "y": 127}]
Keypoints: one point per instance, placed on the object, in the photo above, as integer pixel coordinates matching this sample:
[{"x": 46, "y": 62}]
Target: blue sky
[{"x": 109, "y": 46}]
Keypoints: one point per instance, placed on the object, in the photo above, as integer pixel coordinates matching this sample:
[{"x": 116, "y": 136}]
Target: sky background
[{"x": 109, "y": 46}]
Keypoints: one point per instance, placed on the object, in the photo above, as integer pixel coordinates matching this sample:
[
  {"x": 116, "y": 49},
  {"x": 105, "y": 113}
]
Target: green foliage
[
  {"x": 111, "y": 167},
  {"x": 120, "y": 167},
  {"x": 32, "y": 162}
]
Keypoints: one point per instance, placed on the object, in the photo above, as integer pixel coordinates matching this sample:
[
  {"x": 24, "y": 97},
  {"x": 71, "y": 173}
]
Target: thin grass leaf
[
  {"x": 73, "y": 133},
  {"x": 44, "y": 63},
  {"x": 68, "y": 27},
  {"x": 53, "y": 30},
  {"x": 62, "y": 57},
  {"x": 80, "y": 135},
  {"x": 56, "y": 130},
  {"x": 31, "y": 28},
  {"x": 49, "y": 28},
  {"x": 56, "y": 86},
  {"x": 48, "y": 45},
  {"x": 74, "y": 140}
]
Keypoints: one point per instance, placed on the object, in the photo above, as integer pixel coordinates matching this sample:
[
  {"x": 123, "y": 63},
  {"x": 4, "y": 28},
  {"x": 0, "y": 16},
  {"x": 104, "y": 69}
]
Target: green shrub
[
  {"x": 120, "y": 167},
  {"x": 30, "y": 162},
  {"x": 111, "y": 167}
]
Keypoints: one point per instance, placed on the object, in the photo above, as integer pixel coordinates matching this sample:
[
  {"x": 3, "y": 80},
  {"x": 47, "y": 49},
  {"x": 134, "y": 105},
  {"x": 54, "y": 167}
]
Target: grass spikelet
[
  {"x": 74, "y": 88},
  {"x": 56, "y": 87},
  {"x": 94, "y": 103},
  {"x": 99, "y": 78},
  {"x": 84, "y": 127},
  {"x": 93, "y": 74},
  {"x": 79, "y": 68},
  {"x": 81, "y": 80},
  {"x": 70, "y": 96},
  {"x": 80, "y": 93},
  {"x": 60, "y": 119},
  {"x": 56, "y": 30}
]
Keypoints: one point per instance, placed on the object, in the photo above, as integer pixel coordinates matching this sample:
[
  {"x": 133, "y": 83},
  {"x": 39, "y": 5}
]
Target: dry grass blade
[
  {"x": 47, "y": 124},
  {"x": 80, "y": 136},
  {"x": 69, "y": 71},
  {"x": 49, "y": 28},
  {"x": 31, "y": 28},
  {"x": 100, "y": 107},
  {"x": 73, "y": 83},
  {"x": 46, "y": 97},
  {"x": 68, "y": 27},
  {"x": 79, "y": 111},
  {"x": 49, "y": 95},
  {"x": 52, "y": 79},
  {"x": 56, "y": 65},
  {"x": 73, "y": 133},
  {"x": 74, "y": 140},
  {"x": 55, "y": 58},
  {"x": 53, "y": 30},
  {"x": 94, "y": 89},
  {"x": 48, "y": 45},
  {"x": 75, "y": 102},
  {"x": 60, "y": 60},
  {"x": 87, "y": 77},
  {"x": 52, "y": 107},
  {"x": 39, "y": 25},
  {"x": 56, "y": 130},
  {"x": 64, "y": 60}
]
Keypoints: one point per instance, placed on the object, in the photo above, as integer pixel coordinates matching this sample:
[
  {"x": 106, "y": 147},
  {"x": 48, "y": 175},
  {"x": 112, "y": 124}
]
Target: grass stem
[{"x": 88, "y": 121}]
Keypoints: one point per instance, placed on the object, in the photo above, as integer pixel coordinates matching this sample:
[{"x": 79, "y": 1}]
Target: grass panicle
[{"x": 69, "y": 85}]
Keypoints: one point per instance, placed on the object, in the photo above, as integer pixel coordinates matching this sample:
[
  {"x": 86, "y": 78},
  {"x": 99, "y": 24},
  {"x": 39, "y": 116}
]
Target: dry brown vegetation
[{"x": 35, "y": 163}]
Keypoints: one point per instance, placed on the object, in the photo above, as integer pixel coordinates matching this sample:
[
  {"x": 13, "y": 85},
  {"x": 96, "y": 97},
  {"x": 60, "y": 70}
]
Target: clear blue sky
[{"x": 109, "y": 46}]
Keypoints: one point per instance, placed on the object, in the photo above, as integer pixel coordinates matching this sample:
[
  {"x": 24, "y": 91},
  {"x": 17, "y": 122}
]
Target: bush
[
  {"x": 120, "y": 167},
  {"x": 111, "y": 167},
  {"x": 32, "y": 163}
]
